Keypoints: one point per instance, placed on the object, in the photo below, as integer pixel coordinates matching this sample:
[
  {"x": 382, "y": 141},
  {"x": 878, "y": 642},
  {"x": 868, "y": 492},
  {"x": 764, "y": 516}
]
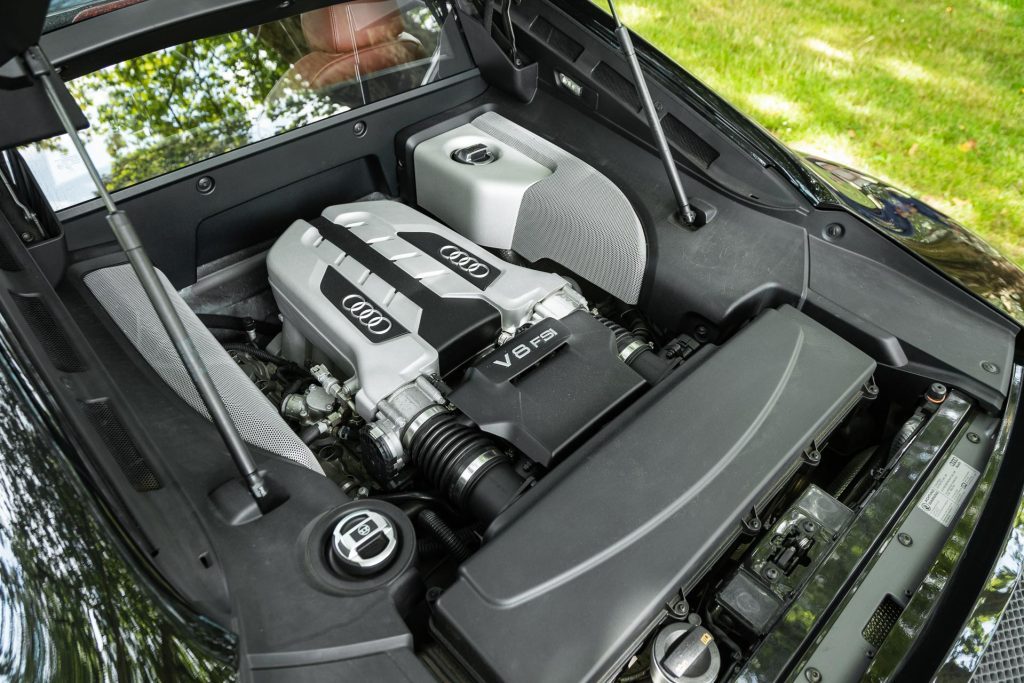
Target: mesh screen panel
[
  {"x": 119, "y": 291},
  {"x": 1003, "y": 661},
  {"x": 575, "y": 216}
]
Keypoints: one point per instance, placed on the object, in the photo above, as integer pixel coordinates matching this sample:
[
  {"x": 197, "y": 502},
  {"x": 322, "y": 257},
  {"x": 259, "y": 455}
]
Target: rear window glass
[{"x": 171, "y": 108}]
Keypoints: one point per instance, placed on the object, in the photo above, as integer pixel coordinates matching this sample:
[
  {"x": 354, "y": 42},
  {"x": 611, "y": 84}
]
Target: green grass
[{"x": 927, "y": 96}]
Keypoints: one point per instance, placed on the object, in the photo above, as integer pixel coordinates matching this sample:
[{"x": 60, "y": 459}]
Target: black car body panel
[{"x": 75, "y": 605}]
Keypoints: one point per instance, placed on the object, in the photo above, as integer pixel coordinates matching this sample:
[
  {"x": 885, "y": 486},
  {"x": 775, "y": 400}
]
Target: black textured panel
[
  {"x": 135, "y": 468},
  {"x": 7, "y": 260},
  {"x": 618, "y": 85},
  {"x": 559, "y": 41},
  {"x": 50, "y": 335},
  {"x": 1003, "y": 660},
  {"x": 688, "y": 142},
  {"x": 882, "y": 621}
]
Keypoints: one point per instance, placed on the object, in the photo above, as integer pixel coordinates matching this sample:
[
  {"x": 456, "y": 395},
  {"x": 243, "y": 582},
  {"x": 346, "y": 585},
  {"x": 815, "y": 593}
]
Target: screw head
[
  {"x": 905, "y": 539},
  {"x": 771, "y": 573},
  {"x": 27, "y": 238},
  {"x": 973, "y": 438},
  {"x": 990, "y": 367},
  {"x": 205, "y": 185},
  {"x": 359, "y": 129},
  {"x": 681, "y": 609},
  {"x": 701, "y": 331},
  {"x": 812, "y": 675},
  {"x": 834, "y": 231},
  {"x": 810, "y": 527}
]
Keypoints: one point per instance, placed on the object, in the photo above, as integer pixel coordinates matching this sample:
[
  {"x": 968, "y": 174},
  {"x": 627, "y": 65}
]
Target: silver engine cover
[{"x": 390, "y": 294}]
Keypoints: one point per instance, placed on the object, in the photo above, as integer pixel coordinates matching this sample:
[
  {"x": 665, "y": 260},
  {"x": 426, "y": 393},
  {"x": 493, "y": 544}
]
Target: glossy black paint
[
  {"x": 74, "y": 605},
  {"x": 935, "y": 237}
]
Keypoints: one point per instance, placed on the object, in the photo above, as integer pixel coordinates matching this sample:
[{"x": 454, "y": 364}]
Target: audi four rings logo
[
  {"x": 467, "y": 263},
  {"x": 364, "y": 312}
]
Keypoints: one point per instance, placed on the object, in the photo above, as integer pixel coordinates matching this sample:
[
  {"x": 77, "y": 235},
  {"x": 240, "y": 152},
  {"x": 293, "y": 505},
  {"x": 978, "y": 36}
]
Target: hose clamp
[
  {"x": 472, "y": 469},
  {"x": 421, "y": 419},
  {"x": 632, "y": 349}
]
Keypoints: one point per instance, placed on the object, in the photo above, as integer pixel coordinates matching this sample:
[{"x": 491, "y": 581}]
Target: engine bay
[
  {"x": 443, "y": 366},
  {"x": 520, "y": 418}
]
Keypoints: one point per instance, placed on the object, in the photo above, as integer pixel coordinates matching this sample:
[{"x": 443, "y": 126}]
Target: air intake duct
[{"x": 466, "y": 465}]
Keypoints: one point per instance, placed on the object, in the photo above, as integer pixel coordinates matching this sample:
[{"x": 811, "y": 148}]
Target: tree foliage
[{"x": 180, "y": 105}]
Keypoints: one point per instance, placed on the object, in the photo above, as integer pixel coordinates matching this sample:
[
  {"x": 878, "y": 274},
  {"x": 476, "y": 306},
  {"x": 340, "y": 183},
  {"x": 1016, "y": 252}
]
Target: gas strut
[
  {"x": 686, "y": 212},
  {"x": 39, "y": 67}
]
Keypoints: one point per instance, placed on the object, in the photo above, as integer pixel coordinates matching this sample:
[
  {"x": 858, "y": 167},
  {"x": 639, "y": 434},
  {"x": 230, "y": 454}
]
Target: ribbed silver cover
[
  {"x": 575, "y": 216},
  {"x": 121, "y": 295}
]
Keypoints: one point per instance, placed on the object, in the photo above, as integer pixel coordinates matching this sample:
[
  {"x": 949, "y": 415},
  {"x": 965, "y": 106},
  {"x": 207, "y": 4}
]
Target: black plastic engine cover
[
  {"x": 586, "y": 560},
  {"x": 549, "y": 386}
]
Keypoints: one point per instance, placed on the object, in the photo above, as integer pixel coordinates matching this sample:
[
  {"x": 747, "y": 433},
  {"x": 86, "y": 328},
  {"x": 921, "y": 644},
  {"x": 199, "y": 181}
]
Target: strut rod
[
  {"x": 686, "y": 212},
  {"x": 39, "y": 66}
]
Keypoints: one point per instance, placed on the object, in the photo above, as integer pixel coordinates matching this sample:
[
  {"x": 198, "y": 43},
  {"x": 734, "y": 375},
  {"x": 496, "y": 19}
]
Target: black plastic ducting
[
  {"x": 445, "y": 451},
  {"x": 639, "y": 511}
]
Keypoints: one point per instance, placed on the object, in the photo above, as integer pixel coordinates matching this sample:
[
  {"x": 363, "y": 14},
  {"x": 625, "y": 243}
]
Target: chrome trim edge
[{"x": 969, "y": 648}]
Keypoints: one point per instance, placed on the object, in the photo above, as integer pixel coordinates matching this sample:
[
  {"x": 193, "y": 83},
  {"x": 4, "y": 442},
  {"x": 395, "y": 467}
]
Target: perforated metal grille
[
  {"x": 127, "y": 456},
  {"x": 575, "y": 216},
  {"x": 882, "y": 621},
  {"x": 50, "y": 335},
  {"x": 618, "y": 85},
  {"x": 118, "y": 290},
  {"x": 559, "y": 41},
  {"x": 1003, "y": 661},
  {"x": 687, "y": 141}
]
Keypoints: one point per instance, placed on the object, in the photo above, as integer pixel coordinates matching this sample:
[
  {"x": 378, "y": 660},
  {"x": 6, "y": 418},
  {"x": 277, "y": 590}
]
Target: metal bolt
[
  {"x": 27, "y": 238},
  {"x": 771, "y": 573},
  {"x": 433, "y": 593},
  {"x": 362, "y": 492},
  {"x": 810, "y": 527},
  {"x": 701, "y": 331},
  {"x": 872, "y": 389},
  {"x": 812, "y": 675},
  {"x": 973, "y": 438},
  {"x": 359, "y": 129},
  {"x": 905, "y": 539},
  {"x": 989, "y": 366},
  {"x": 681, "y": 609},
  {"x": 205, "y": 185},
  {"x": 834, "y": 231}
]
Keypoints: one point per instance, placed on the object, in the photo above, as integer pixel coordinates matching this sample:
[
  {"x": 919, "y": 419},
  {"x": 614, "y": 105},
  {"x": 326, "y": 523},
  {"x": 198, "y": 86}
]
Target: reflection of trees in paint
[{"x": 70, "y": 609}]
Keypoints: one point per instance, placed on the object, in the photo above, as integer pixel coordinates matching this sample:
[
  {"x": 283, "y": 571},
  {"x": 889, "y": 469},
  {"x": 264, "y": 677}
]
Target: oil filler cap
[
  {"x": 684, "y": 653},
  {"x": 474, "y": 155},
  {"x": 364, "y": 542}
]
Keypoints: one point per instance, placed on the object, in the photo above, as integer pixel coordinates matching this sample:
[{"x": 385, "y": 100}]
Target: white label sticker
[{"x": 947, "y": 491}]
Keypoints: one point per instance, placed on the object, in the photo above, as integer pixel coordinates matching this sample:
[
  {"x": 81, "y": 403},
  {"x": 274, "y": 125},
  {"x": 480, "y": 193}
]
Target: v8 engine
[{"x": 458, "y": 358}]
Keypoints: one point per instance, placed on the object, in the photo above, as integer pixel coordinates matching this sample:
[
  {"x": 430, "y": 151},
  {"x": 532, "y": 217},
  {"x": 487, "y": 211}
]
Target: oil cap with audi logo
[{"x": 364, "y": 542}]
